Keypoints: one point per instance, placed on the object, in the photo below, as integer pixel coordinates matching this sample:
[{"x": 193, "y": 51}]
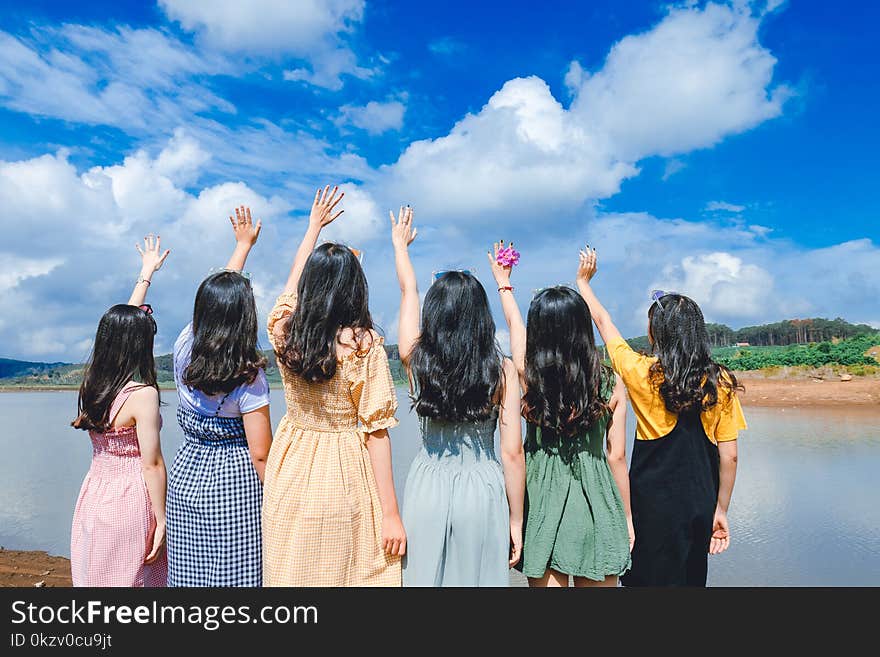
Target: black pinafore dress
[{"x": 674, "y": 491}]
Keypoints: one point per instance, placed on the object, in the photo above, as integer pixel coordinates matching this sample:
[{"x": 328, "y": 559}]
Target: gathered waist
[
  {"x": 110, "y": 463},
  {"x": 458, "y": 456},
  {"x": 215, "y": 441},
  {"x": 302, "y": 424}
]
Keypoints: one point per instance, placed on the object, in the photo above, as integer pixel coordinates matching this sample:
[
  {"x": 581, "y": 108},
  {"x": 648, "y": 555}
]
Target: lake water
[{"x": 805, "y": 511}]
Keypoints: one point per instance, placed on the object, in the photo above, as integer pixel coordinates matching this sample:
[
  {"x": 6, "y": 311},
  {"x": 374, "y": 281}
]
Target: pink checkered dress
[{"x": 113, "y": 522}]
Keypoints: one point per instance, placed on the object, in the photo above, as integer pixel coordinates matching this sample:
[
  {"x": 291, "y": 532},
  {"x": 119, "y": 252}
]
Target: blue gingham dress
[{"x": 212, "y": 512}]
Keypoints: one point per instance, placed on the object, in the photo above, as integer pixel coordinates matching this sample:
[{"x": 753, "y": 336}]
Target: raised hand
[
  {"x": 402, "y": 231},
  {"x": 152, "y": 257},
  {"x": 246, "y": 231},
  {"x": 499, "y": 271},
  {"x": 587, "y": 264},
  {"x": 322, "y": 208}
]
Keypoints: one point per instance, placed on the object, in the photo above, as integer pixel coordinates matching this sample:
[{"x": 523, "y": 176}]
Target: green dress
[{"x": 574, "y": 517}]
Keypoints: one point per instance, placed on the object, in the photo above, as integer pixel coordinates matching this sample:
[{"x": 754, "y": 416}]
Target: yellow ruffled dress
[{"x": 322, "y": 521}]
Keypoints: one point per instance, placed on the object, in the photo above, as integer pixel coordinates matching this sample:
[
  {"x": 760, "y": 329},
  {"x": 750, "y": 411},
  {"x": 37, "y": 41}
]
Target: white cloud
[
  {"x": 374, "y": 117},
  {"x": 84, "y": 227},
  {"x": 265, "y": 26},
  {"x": 759, "y": 230},
  {"x": 520, "y": 151},
  {"x": 311, "y": 30},
  {"x": 18, "y": 268},
  {"x": 362, "y": 221},
  {"x": 135, "y": 79},
  {"x": 721, "y": 283},
  {"x": 672, "y": 167},
  {"x": 446, "y": 46},
  {"x": 574, "y": 77},
  {"x": 723, "y": 206},
  {"x": 694, "y": 78}
]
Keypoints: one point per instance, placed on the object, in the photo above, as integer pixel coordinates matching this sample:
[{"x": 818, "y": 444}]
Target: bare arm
[
  {"x": 512, "y": 314},
  {"x": 393, "y": 534},
  {"x": 320, "y": 215},
  {"x": 616, "y": 446},
  {"x": 145, "y": 410},
  {"x": 402, "y": 235},
  {"x": 246, "y": 234},
  {"x": 586, "y": 270},
  {"x": 727, "y": 476},
  {"x": 152, "y": 259},
  {"x": 258, "y": 430},
  {"x": 513, "y": 458}
]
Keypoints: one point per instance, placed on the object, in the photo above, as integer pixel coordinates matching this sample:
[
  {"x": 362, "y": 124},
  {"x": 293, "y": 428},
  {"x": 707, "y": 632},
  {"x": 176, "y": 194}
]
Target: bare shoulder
[{"x": 144, "y": 397}]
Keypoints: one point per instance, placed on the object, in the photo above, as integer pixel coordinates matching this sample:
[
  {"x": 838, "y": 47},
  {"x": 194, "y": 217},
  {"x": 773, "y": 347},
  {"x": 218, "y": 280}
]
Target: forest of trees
[{"x": 780, "y": 334}]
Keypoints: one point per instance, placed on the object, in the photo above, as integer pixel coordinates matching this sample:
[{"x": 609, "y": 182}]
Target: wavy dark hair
[
  {"x": 224, "y": 350},
  {"x": 564, "y": 375},
  {"x": 332, "y": 295},
  {"x": 684, "y": 371},
  {"x": 122, "y": 352},
  {"x": 456, "y": 364}
]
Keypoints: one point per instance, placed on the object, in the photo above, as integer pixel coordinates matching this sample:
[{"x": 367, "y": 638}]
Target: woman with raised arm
[
  {"x": 462, "y": 510},
  {"x": 578, "y": 521},
  {"x": 688, "y": 417},
  {"x": 214, "y": 488},
  {"x": 330, "y": 514},
  {"x": 118, "y": 532}
]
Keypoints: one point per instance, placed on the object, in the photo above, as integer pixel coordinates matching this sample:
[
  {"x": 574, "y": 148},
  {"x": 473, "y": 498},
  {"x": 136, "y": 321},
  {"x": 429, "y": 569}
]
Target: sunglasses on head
[
  {"x": 656, "y": 295},
  {"x": 437, "y": 275},
  {"x": 538, "y": 290},
  {"x": 358, "y": 253},
  {"x": 217, "y": 270}
]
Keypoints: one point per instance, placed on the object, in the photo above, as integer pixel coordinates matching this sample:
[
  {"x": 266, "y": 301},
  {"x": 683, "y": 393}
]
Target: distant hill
[
  {"x": 786, "y": 332},
  {"x": 9, "y": 367},
  {"x": 816, "y": 332},
  {"x": 28, "y": 374}
]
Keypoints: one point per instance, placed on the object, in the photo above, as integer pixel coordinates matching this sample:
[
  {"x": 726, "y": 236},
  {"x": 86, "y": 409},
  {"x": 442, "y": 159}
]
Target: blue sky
[{"x": 726, "y": 150}]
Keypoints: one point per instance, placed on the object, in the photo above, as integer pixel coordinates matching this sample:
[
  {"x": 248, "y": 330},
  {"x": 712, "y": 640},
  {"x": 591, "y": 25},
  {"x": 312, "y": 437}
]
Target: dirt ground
[
  {"x": 763, "y": 391},
  {"x": 19, "y": 568}
]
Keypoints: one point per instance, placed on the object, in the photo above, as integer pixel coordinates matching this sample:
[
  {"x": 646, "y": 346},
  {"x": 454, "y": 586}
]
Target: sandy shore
[
  {"x": 761, "y": 390},
  {"x": 863, "y": 392},
  {"x": 32, "y": 568}
]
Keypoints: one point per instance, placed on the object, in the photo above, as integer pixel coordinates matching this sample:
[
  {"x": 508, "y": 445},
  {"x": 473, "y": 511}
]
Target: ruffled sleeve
[
  {"x": 284, "y": 307},
  {"x": 372, "y": 388}
]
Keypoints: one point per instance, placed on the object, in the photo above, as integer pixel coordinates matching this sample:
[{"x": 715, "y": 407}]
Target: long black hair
[
  {"x": 456, "y": 363},
  {"x": 332, "y": 295},
  {"x": 684, "y": 371},
  {"x": 224, "y": 351},
  {"x": 123, "y": 351},
  {"x": 564, "y": 375}
]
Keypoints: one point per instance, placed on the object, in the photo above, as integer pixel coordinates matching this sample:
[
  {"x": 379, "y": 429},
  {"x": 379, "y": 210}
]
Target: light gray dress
[{"x": 455, "y": 508}]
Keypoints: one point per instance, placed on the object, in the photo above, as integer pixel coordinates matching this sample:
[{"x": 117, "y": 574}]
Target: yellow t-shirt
[{"x": 722, "y": 422}]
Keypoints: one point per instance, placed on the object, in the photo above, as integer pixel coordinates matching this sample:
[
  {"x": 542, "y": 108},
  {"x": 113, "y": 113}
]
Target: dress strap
[{"x": 121, "y": 398}]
